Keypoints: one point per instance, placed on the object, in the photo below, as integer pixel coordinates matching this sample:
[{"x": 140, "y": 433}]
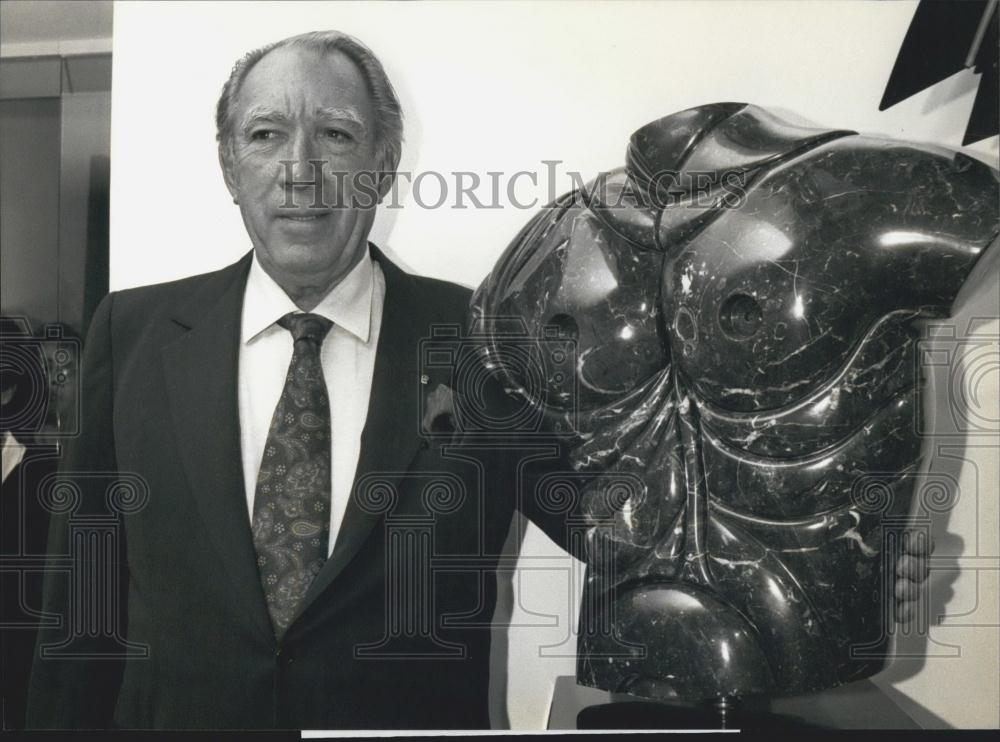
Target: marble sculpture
[{"x": 738, "y": 303}]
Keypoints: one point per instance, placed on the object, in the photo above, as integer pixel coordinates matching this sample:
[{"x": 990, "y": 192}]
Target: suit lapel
[
  {"x": 201, "y": 368},
  {"x": 391, "y": 436}
]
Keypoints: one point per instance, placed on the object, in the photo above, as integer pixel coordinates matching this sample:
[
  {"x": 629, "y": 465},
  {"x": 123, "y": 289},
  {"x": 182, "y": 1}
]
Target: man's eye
[
  {"x": 338, "y": 135},
  {"x": 262, "y": 135}
]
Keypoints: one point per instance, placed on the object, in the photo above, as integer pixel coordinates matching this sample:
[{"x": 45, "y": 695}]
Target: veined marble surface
[{"x": 724, "y": 330}]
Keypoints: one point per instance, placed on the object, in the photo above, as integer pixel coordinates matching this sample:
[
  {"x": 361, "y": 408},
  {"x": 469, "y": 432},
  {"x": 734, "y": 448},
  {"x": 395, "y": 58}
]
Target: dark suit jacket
[
  {"x": 394, "y": 632},
  {"x": 23, "y": 525}
]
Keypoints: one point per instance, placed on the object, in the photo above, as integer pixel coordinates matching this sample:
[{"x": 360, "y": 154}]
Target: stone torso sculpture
[{"x": 743, "y": 407}]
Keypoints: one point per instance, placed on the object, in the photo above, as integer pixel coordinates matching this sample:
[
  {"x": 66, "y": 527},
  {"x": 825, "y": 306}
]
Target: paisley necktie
[{"x": 291, "y": 508}]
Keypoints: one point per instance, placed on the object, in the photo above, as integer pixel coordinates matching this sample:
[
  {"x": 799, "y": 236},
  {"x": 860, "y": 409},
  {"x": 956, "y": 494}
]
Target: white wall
[{"x": 491, "y": 87}]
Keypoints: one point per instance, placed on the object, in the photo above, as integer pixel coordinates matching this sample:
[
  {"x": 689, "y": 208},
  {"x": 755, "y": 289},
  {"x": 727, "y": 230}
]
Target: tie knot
[{"x": 306, "y": 326}]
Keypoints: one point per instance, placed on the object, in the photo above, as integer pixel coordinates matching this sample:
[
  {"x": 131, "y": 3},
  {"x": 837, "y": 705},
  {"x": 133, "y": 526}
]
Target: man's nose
[{"x": 303, "y": 166}]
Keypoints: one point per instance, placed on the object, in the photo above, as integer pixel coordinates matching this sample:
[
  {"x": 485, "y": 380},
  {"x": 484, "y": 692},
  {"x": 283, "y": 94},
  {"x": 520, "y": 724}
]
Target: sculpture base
[
  {"x": 858, "y": 705},
  {"x": 722, "y": 714}
]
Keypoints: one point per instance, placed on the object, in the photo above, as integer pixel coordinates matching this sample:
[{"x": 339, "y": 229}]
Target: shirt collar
[{"x": 348, "y": 304}]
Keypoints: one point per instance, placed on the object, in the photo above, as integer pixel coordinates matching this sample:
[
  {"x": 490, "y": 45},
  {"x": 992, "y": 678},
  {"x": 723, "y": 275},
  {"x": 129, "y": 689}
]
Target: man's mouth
[{"x": 305, "y": 217}]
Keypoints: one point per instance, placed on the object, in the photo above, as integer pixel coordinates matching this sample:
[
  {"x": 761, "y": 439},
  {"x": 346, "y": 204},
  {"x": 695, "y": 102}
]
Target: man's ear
[
  {"x": 225, "y": 162},
  {"x": 384, "y": 184},
  {"x": 385, "y": 178}
]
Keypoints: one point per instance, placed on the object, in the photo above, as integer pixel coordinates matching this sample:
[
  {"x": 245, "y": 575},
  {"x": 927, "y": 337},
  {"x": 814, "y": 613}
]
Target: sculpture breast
[{"x": 740, "y": 300}]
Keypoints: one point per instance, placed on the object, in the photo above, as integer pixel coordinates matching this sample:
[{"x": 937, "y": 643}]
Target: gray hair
[{"x": 388, "y": 113}]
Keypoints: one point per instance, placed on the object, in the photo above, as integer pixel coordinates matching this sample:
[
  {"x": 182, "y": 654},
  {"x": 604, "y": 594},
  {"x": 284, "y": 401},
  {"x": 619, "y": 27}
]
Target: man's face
[{"x": 295, "y": 106}]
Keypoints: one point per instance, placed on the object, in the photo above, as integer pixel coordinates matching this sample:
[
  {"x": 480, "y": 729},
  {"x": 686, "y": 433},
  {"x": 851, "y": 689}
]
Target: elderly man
[{"x": 272, "y": 411}]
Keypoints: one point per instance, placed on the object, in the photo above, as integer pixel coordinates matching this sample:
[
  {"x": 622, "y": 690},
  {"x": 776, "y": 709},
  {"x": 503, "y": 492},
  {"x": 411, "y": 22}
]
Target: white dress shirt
[
  {"x": 348, "y": 356},
  {"x": 12, "y": 451}
]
